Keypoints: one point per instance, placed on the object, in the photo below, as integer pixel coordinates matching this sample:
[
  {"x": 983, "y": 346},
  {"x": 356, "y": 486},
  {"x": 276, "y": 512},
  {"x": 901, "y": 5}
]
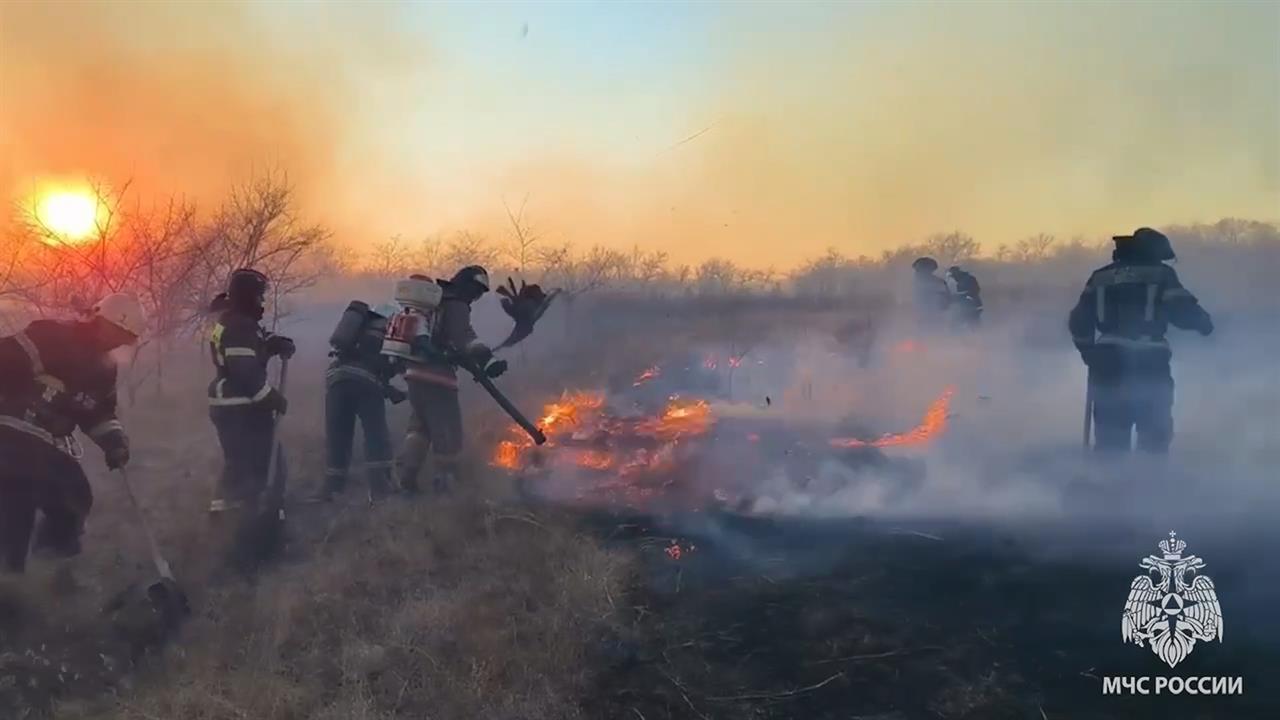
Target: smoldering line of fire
[{"x": 680, "y": 419}]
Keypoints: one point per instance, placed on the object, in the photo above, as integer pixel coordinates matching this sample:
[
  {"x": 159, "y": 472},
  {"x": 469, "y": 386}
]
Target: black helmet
[
  {"x": 472, "y": 275},
  {"x": 247, "y": 290},
  {"x": 1145, "y": 243},
  {"x": 924, "y": 264}
]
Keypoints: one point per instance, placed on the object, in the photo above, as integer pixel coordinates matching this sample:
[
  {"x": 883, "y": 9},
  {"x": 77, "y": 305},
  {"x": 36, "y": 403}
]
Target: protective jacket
[
  {"x": 240, "y": 349},
  {"x": 451, "y": 333},
  {"x": 52, "y": 382},
  {"x": 1128, "y": 306}
]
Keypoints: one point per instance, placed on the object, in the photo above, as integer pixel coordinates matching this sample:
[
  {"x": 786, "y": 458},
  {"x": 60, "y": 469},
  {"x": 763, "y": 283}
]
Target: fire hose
[{"x": 482, "y": 378}]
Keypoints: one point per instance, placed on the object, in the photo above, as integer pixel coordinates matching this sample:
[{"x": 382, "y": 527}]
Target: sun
[{"x": 72, "y": 215}]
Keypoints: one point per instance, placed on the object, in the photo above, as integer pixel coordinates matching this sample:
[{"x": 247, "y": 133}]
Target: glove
[
  {"x": 276, "y": 402},
  {"x": 281, "y": 345},
  {"x": 395, "y": 394},
  {"x": 117, "y": 456},
  {"x": 481, "y": 354},
  {"x": 496, "y": 368},
  {"x": 524, "y": 305}
]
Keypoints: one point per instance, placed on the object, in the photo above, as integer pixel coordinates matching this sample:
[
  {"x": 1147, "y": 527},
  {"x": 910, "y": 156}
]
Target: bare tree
[
  {"x": 577, "y": 275},
  {"x": 258, "y": 227},
  {"x": 464, "y": 248},
  {"x": 524, "y": 238},
  {"x": 718, "y": 276},
  {"x": 1034, "y": 249},
  {"x": 953, "y": 248},
  {"x": 392, "y": 257}
]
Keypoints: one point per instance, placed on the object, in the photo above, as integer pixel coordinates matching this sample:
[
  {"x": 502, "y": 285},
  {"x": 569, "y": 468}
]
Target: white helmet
[{"x": 124, "y": 311}]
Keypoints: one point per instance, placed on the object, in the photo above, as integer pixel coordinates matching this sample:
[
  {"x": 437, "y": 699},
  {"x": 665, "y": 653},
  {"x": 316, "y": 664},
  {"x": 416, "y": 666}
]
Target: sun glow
[{"x": 69, "y": 215}]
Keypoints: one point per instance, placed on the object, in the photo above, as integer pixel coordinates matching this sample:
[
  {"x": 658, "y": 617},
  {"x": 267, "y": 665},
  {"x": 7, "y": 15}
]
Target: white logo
[{"x": 1173, "y": 618}]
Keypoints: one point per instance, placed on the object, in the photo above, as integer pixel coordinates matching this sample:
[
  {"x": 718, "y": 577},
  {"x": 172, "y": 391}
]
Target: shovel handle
[
  {"x": 274, "y": 488},
  {"x": 1088, "y": 414},
  {"x": 162, "y": 565}
]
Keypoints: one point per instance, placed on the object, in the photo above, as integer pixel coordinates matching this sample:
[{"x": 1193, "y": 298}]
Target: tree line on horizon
[{"x": 176, "y": 259}]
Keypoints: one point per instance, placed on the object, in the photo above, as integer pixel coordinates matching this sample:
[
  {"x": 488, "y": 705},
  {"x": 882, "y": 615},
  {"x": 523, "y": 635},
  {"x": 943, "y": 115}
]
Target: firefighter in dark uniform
[
  {"x": 242, "y": 403},
  {"x": 435, "y": 427},
  {"x": 1119, "y": 327},
  {"x": 357, "y": 386},
  {"x": 967, "y": 297},
  {"x": 55, "y": 377},
  {"x": 931, "y": 295}
]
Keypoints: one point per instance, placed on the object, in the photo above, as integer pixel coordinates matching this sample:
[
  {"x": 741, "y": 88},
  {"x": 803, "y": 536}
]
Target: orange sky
[{"x": 858, "y": 126}]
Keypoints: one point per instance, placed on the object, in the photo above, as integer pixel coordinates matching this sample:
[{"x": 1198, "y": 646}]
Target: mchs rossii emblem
[{"x": 1173, "y": 605}]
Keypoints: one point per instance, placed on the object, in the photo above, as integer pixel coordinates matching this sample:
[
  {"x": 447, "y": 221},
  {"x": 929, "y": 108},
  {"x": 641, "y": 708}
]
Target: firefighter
[
  {"x": 967, "y": 299},
  {"x": 1119, "y": 328},
  {"x": 435, "y": 427},
  {"x": 357, "y": 386},
  {"x": 930, "y": 292},
  {"x": 242, "y": 403},
  {"x": 57, "y": 376}
]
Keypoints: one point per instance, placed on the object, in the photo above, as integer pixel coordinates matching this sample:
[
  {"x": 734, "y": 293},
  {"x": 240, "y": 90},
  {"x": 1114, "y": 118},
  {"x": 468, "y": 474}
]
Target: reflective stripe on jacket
[
  {"x": 238, "y": 347},
  {"x": 53, "y": 382},
  {"x": 1131, "y": 304}
]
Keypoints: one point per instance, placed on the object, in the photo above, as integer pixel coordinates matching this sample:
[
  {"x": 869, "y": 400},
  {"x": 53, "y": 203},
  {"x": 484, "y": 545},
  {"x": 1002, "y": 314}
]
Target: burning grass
[{"x": 933, "y": 425}]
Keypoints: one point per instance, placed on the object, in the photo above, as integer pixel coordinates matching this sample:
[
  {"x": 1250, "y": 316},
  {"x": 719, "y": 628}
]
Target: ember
[
  {"x": 675, "y": 552},
  {"x": 933, "y": 425},
  {"x": 646, "y": 376},
  {"x": 908, "y": 346},
  {"x": 710, "y": 362}
]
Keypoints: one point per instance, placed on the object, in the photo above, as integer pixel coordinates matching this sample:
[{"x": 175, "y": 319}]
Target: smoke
[
  {"x": 861, "y": 127},
  {"x": 854, "y": 126},
  {"x": 188, "y": 98}
]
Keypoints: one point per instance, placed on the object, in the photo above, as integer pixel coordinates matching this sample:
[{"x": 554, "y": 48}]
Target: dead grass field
[{"x": 468, "y": 606}]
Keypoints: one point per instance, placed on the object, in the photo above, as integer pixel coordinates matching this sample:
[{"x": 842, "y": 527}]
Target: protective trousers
[
  {"x": 346, "y": 401},
  {"x": 1129, "y": 400},
  {"x": 35, "y": 476},
  {"x": 435, "y": 427},
  {"x": 246, "y": 433}
]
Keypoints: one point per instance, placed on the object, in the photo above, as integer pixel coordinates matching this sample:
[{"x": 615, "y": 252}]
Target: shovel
[
  {"x": 165, "y": 594},
  {"x": 275, "y": 479},
  {"x": 1088, "y": 414}
]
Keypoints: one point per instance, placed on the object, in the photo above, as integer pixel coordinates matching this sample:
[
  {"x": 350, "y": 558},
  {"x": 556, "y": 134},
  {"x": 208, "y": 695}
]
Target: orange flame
[
  {"x": 581, "y": 416},
  {"x": 559, "y": 419},
  {"x": 933, "y": 425},
  {"x": 646, "y": 376},
  {"x": 710, "y": 362}
]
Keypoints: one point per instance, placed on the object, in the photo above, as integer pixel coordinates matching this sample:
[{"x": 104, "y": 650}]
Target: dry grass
[{"x": 468, "y": 606}]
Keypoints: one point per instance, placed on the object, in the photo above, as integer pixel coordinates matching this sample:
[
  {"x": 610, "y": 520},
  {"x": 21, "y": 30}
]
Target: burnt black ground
[{"x": 771, "y": 618}]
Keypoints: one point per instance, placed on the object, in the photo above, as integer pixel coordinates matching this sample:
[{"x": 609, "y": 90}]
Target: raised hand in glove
[
  {"x": 281, "y": 345},
  {"x": 525, "y": 305},
  {"x": 117, "y": 456},
  {"x": 276, "y": 402}
]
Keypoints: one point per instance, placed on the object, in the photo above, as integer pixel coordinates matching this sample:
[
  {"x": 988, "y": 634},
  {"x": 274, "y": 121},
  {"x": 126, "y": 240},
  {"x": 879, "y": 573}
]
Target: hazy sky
[{"x": 854, "y": 125}]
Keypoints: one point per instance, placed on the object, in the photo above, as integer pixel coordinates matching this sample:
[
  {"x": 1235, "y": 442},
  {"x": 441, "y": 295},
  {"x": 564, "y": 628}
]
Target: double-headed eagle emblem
[{"x": 1171, "y": 613}]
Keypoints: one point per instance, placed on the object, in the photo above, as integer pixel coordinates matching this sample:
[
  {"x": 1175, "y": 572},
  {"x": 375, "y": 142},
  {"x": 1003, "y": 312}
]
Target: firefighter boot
[
  {"x": 445, "y": 476},
  {"x": 379, "y": 484},
  {"x": 335, "y": 482}
]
